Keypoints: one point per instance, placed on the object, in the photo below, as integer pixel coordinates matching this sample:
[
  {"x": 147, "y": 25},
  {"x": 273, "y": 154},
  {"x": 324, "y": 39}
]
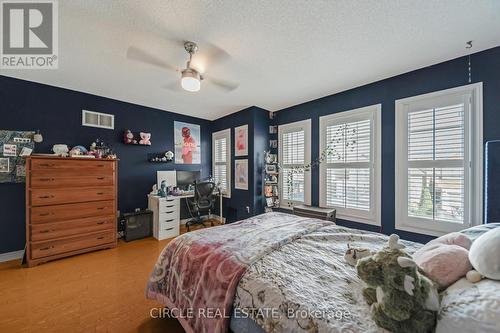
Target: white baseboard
[{"x": 11, "y": 255}]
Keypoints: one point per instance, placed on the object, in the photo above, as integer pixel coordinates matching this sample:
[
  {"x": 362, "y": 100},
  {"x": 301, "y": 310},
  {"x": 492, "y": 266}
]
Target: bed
[{"x": 274, "y": 272}]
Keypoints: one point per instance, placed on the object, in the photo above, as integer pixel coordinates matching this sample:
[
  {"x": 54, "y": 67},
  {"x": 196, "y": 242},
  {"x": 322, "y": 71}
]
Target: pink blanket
[{"x": 197, "y": 273}]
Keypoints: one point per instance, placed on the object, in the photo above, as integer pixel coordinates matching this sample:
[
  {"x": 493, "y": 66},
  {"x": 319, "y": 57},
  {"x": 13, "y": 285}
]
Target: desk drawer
[
  {"x": 45, "y": 249},
  {"x": 168, "y": 232},
  {"x": 165, "y": 224},
  {"x": 50, "y": 214},
  {"x": 168, "y": 215},
  {"x": 46, "y": 231},
  {"x": 44, "y": 179},
  {"x": 41, "y": 197}
]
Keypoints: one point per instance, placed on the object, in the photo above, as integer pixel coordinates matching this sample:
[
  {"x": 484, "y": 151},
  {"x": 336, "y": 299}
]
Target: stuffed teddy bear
[
  {"x": 145, "y": 138},
  {"x": 128, "y": 137},
  {"x": 402, "y": 299}
]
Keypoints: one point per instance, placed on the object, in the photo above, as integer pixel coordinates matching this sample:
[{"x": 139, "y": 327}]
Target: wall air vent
[{"x": 97, "y": 119}]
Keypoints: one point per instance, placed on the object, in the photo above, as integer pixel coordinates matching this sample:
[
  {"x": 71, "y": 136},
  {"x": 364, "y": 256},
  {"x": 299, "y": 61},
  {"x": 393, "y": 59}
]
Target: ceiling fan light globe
[{"x": 190, "y": 81}]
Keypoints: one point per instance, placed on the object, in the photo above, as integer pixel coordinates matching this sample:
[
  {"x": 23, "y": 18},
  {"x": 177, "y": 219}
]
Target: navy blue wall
[
  {"x": 485, "y": 68},
  {"x": 57, "y": 113},
  {"x": 257, "y": 120}
]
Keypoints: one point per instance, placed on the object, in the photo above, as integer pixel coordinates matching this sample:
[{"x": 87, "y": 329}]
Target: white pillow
[
  {"x": 483, "y": 254},
  {"x": 467, "y": 307}
]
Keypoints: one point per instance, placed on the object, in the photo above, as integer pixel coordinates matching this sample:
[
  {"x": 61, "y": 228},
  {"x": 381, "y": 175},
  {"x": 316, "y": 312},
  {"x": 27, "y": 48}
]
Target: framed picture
[
  {"x": 241, "y": 174},
  {"x": 187, "y": 143},
  {"x": 271, "y": 168},
  {"x": 269, "y": 202},
  {"x": 4, "y": 165},
  {"x": 273, "y": 129},
  {"x": 273, "y": 143},
  {"x": 241, "y": 140},
  {"x": 9, "y": 150}
]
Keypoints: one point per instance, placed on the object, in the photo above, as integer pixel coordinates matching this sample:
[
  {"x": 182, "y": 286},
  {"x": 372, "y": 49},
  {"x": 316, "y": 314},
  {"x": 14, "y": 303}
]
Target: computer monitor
[{"x": 186, "y": 178}]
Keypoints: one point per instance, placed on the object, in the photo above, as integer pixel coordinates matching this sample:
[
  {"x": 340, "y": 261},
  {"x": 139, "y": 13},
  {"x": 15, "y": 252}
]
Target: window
[
  {"x": 439, "y": 161},
  {"x": 294, "y": 153},
  {"x": 97, "y": 119},
  {"x": 221, "y": 160},
  {"x": 350, "y": 172}
]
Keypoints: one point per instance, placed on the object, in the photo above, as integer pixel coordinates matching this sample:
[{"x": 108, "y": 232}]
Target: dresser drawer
[
  {"x": 49, "y": 248},
  {"x": 63, "y": 165},
  {"x": 42, "y": 197},
  {"x": 50, "y": 214},
  {"x": 44, "y": 179},
  {"x": 46, "y": 231}
]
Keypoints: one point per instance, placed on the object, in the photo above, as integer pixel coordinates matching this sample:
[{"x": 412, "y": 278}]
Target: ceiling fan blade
[
  {"x": 223, "y": 84},
  {"x": 208, "y": 56},
  {"x": 137, "y": 54}
]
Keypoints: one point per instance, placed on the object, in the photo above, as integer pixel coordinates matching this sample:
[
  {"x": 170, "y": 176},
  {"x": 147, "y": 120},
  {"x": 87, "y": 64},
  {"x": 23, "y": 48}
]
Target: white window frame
[
  {"x": 219, "y": 135},
  {"x": 473, "y": 162},
  {"x": 373, "y": 113},
  {"x": 292, "y": 127}
]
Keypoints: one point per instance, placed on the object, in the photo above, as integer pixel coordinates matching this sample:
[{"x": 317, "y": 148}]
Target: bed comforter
[
  {"x": 285, "y": 272},
  {"x": 197, "y": 274}
]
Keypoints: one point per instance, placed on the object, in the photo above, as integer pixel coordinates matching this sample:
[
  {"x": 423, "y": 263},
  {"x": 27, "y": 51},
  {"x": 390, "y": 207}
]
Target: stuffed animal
[
  {"x": 128, "y": 137},
  {"x": 145, "y": 138},
  {"x": 353, "y": 254},
  {"x": 483, "y": 255},
  {"x": 445, "y": 259},
  {"x": 402, "y": 299}
]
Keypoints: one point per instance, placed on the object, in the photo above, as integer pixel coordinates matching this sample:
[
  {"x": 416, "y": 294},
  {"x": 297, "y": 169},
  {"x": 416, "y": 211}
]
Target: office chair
[{"x": 203, "y": 200}]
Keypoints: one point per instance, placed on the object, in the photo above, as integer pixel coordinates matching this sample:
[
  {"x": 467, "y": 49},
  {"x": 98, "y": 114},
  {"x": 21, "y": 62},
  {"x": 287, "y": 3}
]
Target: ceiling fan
[{"x": 193, "y": 74}]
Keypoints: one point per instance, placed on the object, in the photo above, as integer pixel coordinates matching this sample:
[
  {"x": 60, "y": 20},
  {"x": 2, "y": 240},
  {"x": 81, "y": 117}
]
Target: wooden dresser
[{"x": 71, "y": 206}]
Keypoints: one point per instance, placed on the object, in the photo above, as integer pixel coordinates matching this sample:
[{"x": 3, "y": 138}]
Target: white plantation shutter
[
  {"x": 294, "y": 154},
  {"x": 438, "y": 160},
  {"x": 348, "y": 173},
  {"x": 436, "y": 166},
  {"x": 221, "y": 160}
]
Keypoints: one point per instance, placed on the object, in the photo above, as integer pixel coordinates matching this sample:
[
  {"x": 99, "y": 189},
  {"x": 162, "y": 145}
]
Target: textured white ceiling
[{"x": 283, "y": 52}]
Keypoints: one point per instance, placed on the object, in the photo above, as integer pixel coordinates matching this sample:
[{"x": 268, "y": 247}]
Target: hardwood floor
[{"x": 101, "y": 291}]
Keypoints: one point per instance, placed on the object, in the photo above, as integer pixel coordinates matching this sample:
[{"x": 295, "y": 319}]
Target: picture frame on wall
[
  {"x": 187, "y": 140},
  {"x": 241, "y": 174},
  {"x": 241, "y": 140}
]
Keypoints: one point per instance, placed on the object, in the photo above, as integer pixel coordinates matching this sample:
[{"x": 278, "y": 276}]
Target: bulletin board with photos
[{"x": 14, "y": 146}]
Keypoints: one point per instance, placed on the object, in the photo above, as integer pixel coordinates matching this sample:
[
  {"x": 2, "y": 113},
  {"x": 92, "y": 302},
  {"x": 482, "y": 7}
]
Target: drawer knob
[
  {"x": 46, "y": 197},
  {"x": 100, "y": 178},
  {"x": 168, "y": 229},
  {"x": 44, "y": 214},
  {"x": 45, "y": 231},
  {"x": 169, "y": 220},
  {"x": 47, "y": 179},
  {"x": 46, "y": 248},
  {"x": 169, "y": 212},
  {"x": 100, "y": 193},
  {"x": 101, "y": 237},
  {"x": 100, "y": 222},
  {"x": 46, "y": 165},
  {"x": 100, "y": 208}
]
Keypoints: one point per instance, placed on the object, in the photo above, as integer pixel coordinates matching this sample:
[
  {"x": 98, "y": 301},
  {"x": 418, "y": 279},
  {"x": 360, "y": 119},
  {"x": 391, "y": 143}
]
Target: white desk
[{"x": 167, "y": 214}]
